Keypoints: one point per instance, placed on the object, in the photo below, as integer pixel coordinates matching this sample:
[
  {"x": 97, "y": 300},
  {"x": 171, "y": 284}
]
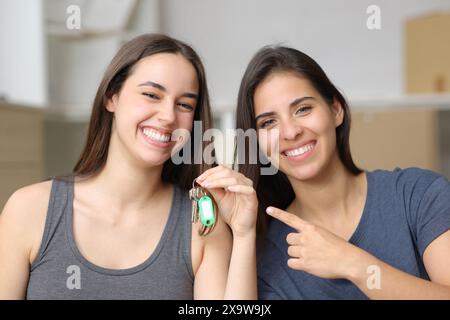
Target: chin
[
  {"x": 153, "y": 160},
  {"x": 302, "y": 173}
]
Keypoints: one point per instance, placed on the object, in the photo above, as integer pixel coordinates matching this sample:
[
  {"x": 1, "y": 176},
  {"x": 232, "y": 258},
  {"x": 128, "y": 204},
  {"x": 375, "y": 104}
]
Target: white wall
[
  {"x": 23, "y": 68},
  {"x": 77, "y": 64},
  {"x": 75, "y": 70},
  {"x": 365, "y": 64}
]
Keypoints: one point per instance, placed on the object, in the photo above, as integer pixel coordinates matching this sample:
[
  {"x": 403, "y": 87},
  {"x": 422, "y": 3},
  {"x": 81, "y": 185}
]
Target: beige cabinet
[
  {"x": 21, "y": 148},
  {"x": 427, "y": 54},
  {"x": 415, "y": 130},
  {"x": 396, "y": 137}
]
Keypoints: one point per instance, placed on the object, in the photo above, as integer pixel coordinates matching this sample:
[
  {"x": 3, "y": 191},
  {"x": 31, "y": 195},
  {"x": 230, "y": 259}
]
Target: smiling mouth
[
  {"x": 156, "y": 135},
  {"x": 300, "y": 150}
]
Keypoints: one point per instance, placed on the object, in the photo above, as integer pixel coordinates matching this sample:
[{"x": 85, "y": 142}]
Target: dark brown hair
[
  {"x": 95, "y": 152},
  {"x": 275, "y": 190}
]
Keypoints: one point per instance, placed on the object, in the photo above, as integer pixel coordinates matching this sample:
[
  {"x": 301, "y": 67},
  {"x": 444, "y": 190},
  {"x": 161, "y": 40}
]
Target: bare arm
[
  {"x": 14, "y": 252},
  {"x": 21, "y": 226},
  {"x": 241, "y": 282},
  {"x": 211, "y": 276},
  {"x": 228, "y": 267},
  {"x": 230, "y": 255},
  {"x": 396, "y": 284},
  {"x": 320, "y": 252}
]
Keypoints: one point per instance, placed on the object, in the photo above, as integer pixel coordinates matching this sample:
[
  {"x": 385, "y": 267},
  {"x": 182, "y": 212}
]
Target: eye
[
  {"x": 266, "y": 123},
  {"x": 151, "y": 95},
  {"x": 185, "y": 106},
  {"x": 303, "y": 110}
]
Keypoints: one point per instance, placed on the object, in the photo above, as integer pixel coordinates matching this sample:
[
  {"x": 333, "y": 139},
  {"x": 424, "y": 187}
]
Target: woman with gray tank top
[{"x": 120, "y": 226}]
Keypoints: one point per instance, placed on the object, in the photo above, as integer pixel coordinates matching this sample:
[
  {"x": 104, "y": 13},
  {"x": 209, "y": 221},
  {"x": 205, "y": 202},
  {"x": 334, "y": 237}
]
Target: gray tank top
[{"x": 61, "y": 272}]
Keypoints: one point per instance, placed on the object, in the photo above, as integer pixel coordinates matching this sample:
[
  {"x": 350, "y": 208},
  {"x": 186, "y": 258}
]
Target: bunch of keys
[{"x": 204, "y": 208}]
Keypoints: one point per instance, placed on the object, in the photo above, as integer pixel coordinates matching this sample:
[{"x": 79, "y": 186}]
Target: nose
[
  {"x": 290, "y": 130},
  {"x": 166, "y": 112}
]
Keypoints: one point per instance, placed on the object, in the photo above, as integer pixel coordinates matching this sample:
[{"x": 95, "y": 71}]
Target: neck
[
  {"x": 126, "y": 185},
  {"x": 330, "y": 195}
]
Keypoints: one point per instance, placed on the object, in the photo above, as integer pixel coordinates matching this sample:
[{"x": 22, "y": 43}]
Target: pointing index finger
[{"x": 286, "y": 217}]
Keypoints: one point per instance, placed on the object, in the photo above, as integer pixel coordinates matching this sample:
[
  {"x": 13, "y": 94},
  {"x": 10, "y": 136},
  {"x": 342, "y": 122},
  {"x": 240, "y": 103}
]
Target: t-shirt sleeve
[
  {"x": 434, "y": 213},
  {"x": 431, "y": 212}
]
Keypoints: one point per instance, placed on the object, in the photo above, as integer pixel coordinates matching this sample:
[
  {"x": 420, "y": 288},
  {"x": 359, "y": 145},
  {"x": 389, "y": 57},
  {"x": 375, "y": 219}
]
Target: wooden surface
[
  {"x": 21, "y": 148},
  {"x": 401, "y": 138}
]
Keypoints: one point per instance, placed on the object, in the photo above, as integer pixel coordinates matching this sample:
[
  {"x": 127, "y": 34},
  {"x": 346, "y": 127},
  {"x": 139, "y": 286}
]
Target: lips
[
  {"x": 300, "y": 149},
  {"x": 161, "y": 137}
]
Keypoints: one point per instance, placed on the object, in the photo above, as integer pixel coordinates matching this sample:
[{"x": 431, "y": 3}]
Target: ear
[
  {"x": 338, "y": 112},
  {"x": 111, "y": 104}
]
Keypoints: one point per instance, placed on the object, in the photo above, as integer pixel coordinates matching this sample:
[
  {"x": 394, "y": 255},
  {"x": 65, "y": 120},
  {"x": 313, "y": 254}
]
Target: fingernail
[{"x": 269, "y": 210}]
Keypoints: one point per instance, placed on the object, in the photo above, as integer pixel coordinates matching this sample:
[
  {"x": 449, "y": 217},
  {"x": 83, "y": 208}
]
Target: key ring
[{"x": 204, "y": 208}]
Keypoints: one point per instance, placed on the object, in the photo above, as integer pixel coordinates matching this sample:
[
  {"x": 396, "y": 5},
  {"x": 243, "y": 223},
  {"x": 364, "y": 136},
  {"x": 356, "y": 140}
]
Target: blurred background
[{"x": 390, "y": 58}]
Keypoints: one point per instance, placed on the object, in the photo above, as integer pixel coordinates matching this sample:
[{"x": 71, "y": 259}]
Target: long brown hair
[
  {"x": 276, "y": 190},
  {"x": 95, "y": 152}
]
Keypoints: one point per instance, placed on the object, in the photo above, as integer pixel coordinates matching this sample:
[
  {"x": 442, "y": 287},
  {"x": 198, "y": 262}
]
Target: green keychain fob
[{"x": 206, "y": 209}]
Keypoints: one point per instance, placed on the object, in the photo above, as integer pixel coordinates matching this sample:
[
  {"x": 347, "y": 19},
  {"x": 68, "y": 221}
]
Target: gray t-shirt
[
  {"x": 405, "y": 211},
  {"x": 61, "y": 272}
]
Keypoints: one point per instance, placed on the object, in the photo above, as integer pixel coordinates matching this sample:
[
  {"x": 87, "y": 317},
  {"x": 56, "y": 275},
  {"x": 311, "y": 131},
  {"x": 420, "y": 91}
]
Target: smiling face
[
  {"x": 302, "y": 123},
  {"x": 158, "y": 97}
]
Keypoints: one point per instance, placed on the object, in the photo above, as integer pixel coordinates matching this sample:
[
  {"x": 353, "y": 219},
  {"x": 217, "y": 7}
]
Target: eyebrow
[
  {"x": 162, "y": 88},
  {"x": 265, "y": 114},
  {"x": 300, "y": 100},
  {"x": 293, "y": 103}
]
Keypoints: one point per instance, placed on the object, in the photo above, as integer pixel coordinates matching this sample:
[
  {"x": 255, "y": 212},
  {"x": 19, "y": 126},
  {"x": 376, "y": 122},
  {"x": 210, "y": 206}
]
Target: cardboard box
[{"x": 427, "y": 54}]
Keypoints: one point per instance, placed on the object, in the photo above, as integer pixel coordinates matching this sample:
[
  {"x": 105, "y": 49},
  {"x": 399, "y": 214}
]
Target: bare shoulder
[
  {"x": 24, "y": 201},
  {"x": 23, "y": 217}
]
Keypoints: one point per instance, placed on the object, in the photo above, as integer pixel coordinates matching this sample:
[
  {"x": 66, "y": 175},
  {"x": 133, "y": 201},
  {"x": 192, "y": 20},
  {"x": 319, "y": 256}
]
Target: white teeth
[
  {"x": 155, "y": 135},
  {"x": 300, "y": 151}
]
